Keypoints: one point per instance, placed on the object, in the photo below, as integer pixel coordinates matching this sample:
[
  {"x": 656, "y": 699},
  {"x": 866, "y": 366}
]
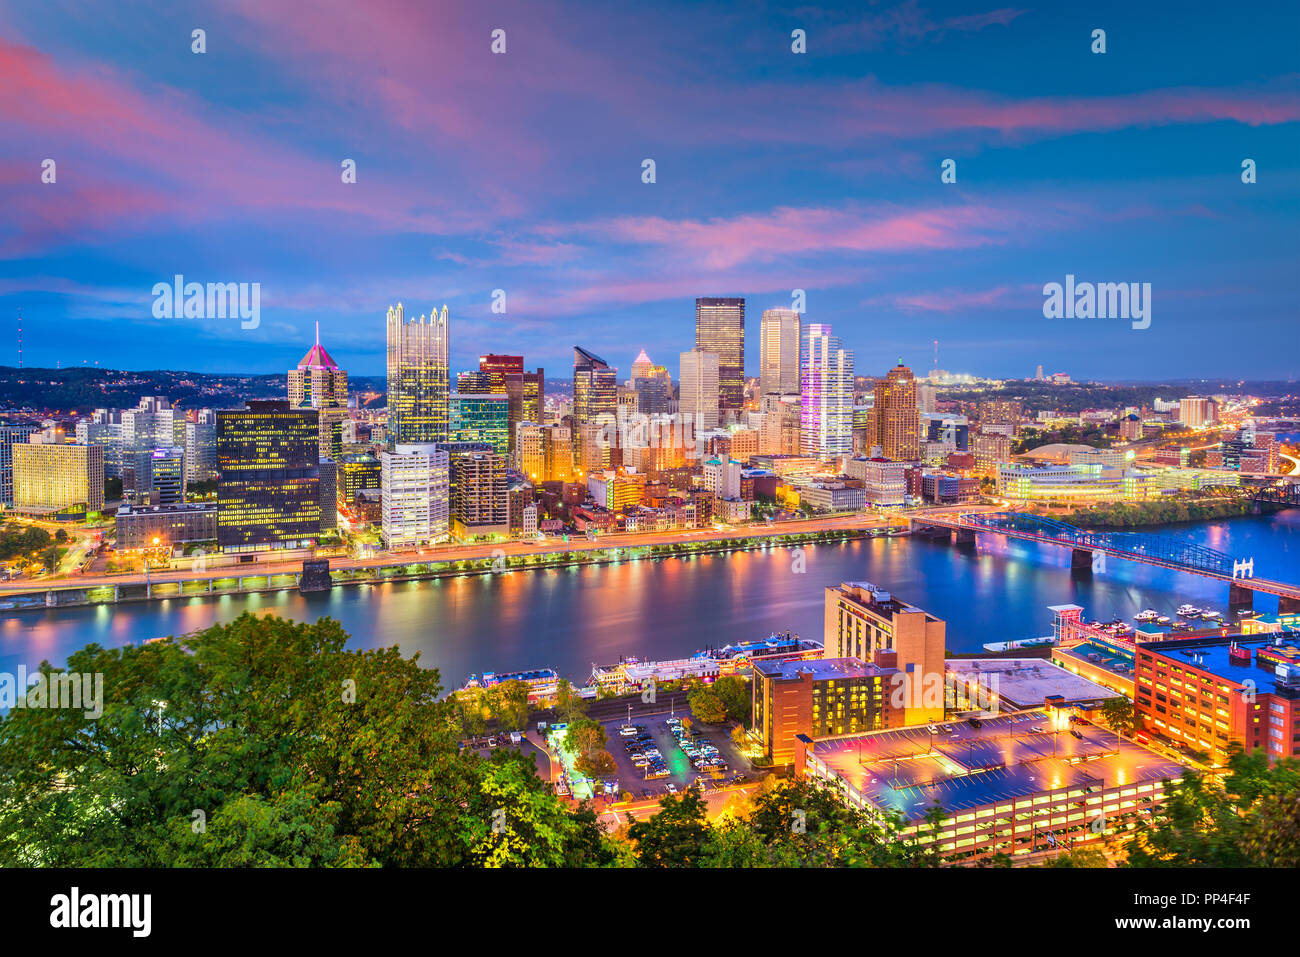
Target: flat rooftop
[
  {"x": 1211, "y": 656},
  {"x": 878, "y": 600},
  {"x": 1100, "y": 656},
  {"x": 821, "y": 669},
  {"x": 1010, "y": 756},
  {"x": 1026, "y": 682}
]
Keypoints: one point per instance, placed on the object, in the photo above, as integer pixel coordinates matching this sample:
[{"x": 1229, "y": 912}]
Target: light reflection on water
[{"x": 571, "y": 618}]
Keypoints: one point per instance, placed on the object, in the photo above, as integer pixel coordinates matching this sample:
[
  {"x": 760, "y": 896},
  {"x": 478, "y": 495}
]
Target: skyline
[{"x": 775, "y": 171}]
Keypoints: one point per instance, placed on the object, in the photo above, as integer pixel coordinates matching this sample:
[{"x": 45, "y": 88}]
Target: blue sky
[{"x": 775, "y": 171}]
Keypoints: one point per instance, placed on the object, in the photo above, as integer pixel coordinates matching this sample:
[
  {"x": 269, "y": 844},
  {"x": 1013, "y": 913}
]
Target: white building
[
  {"x": 415, "y": 495},
  {"x": 884, "y": 483},
  {"x": 722, "y": 478},
  {"x": 826, "y": 389},
  {"x": 779, "y": 352},
  {"x": 699, "y": 399}
]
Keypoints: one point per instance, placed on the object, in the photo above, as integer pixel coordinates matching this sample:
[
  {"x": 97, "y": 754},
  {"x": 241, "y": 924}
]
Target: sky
[{"x": 522, "y": 171}]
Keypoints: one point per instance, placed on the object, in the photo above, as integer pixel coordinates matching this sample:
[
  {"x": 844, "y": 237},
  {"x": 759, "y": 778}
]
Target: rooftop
[
  {"x": 1025, "y": 682},
  {"x": 821, "y": 669},
  {"x": 1011, "y": 756},
  {"x": 1210, "y": 655}
]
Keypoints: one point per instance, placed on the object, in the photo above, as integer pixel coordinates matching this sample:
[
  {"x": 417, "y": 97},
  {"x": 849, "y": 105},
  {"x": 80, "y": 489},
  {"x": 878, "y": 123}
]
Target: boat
[
  {"x": 1188, "y": 611},
  {"x": 1211, "y": 616},
  {"x": 1163, "y": 620},
  {"x": 1149, "y": 614}
]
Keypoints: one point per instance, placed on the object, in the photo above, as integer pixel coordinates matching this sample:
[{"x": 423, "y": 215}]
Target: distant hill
[{"x": 79, "y": 390}]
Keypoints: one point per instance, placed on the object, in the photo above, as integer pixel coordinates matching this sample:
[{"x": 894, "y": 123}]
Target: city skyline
[{"x": 824, "y": 174}]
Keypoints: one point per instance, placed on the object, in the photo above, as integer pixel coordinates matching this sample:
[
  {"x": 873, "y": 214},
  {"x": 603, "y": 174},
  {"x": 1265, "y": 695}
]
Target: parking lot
[{"x": 654, "y": 758}]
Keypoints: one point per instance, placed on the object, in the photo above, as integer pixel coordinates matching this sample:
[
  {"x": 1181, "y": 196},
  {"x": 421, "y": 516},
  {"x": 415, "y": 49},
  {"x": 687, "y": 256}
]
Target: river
[{"x": 571, "y": 618}]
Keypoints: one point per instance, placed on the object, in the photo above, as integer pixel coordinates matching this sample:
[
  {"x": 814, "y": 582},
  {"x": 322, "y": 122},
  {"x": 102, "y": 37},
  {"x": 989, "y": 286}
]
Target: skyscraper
[
  {"x": 480, "y": 418},
  {"x": 418, "y": 384},
  {"x": 720, "y": 328},
  {"x": 897, "y": 419},
  {"x": 595, "y": 397},
  {"x": 641, "y": 367},
  {"x": 700, "y": 402},
  {"x": 269, "y": 492},
  {"x": 826, "y": 394},
  {"x": 526, "y": 399},
  {"x": 415, "y": 495},
  {"x": 496, "y": 368},
  {"x": 778, "y": 341},
  {"x": 318, "y": 383}
]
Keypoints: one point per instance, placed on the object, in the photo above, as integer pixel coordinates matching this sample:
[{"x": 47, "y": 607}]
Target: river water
[{"x": 569, "y": 619}]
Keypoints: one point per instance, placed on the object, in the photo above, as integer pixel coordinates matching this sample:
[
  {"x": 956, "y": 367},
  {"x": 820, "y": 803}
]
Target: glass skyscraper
[
  {"x": 720, "y": 328},
  {"x": 481, "y": 418},
  {"x": 826, "y": 390},
  {"x": 418, "y": 385},
  {"x": 778, "y": 343}
]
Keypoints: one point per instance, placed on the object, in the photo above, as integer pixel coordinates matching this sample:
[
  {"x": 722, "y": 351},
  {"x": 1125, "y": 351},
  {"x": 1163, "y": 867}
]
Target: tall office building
[
  {"x": 49, "y": 476},
  {"x": 595, "y": 397},
  {"x": 479, "y": 491},
  {"x": 415, "y": 495},
  {"x": 778, "y": 342},
  {"x": 496, "y": 368},
  {"x": 641, "y": 367},
  {"x": 268, "y": 495},
  {"x": 1196, "y": 412},
  {"x": 480, "y": 418},
  {"x": 201, "y": 447},
  {"x": 418, "y": 378},
  {"x": 318, "y": 383},
  {"x": 897, "y": 419},
  {"x": 167, "y": 476},
  {"x": 526, "y": 399},
  {"x": 653, "y": 386},
  {"x": 826, "y": 394},
  {"x": 530, "y": 450},
  {"x": 11, "y": 435},
  {"x": 700, "y": 402},
  {"x": 104, "y": 428},
  {"x": 720, "y": 328}
]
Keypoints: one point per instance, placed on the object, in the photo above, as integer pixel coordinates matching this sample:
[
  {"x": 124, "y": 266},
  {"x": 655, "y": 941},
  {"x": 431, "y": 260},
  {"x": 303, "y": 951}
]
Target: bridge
[
  {"x": 1162, "y": 551},
  {"x": 1287, "y": 496}
]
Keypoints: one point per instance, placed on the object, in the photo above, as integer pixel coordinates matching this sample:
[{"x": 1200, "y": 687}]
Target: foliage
[
  {"x": 707, "y": 706},
  {"x": 18, "y": 540},
  {"x": 1250, "y": 820},
  {"x": 735, "y": 694},
  {"x": 1120, "y": 715}
]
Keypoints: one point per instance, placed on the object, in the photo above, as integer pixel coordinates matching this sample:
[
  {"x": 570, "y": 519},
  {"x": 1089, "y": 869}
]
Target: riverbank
[
  {"x": 1138, "y": 514},
  {"x": 223, "y": 583}
]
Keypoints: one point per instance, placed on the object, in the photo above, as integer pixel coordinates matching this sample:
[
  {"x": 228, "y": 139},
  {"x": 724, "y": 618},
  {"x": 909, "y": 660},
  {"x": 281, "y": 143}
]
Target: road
[{"x": 856, "y": 521}]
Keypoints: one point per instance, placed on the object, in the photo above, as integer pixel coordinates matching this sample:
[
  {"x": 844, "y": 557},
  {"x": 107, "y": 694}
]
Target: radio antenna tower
[
  {"x": 936, "y": 353},
  {"x": 20, "y": 338}
]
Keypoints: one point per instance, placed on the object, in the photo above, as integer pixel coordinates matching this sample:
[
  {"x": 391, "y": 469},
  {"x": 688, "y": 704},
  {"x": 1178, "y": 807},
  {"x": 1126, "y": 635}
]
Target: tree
[
  {"x": 60, "y": 536},
  {"x": 596, "y": 764},
  {"x": 735, "y": 695},
  {"x": 568, "y": 704},
  {"x": 511, "y": 705},
  {"x": 585, "y": 736},
  {"x": 1120, "y": 715},
  {"x": 707, "y": 706},
  {"x": 676, "y": 836},
  {"x": 270, "y": 728}
]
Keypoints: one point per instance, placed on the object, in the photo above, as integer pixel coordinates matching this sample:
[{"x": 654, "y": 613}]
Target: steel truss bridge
[{"x": 1162, "y": 551}]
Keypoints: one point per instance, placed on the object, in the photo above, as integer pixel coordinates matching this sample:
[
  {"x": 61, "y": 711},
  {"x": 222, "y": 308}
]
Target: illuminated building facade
[
  {"x": 418, "y": 378},
  {"x": 415, "y": 500},
  {"x": 826, "y": 394},
  {"x": 699, "y": 401},
  {"x": 268, "y": 496},
  {"x": 595, "y": 405},
  {"x": 720, "y": 328},
  {"x": 862, "y": 620},
  {"x": 480, "y": 418},
  {"x": 1208, "y": 694},
  {"x": 778, "y": 341},
  {"x": 897, "y": 419},
  {"x": 819, "y": 698},
  {"x": 318, "y": 383},
  {"x": 50, "y": 476}
]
